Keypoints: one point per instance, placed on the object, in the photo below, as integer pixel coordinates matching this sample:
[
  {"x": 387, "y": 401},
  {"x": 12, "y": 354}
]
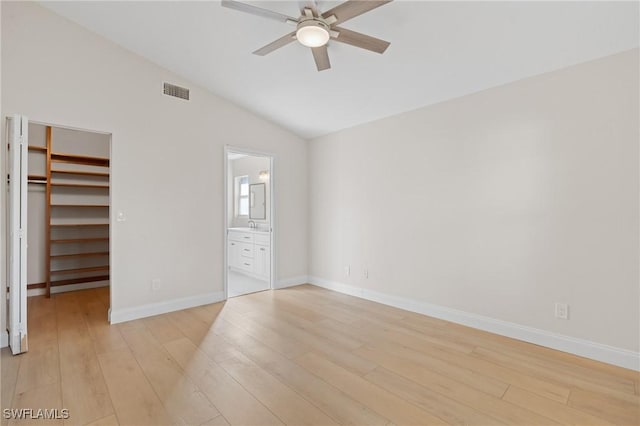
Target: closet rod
[{"x": 38, "y": 178}]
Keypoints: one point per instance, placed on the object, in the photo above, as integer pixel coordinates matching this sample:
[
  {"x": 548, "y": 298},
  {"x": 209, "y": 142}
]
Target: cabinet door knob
[{"x": 262, "y": 248}]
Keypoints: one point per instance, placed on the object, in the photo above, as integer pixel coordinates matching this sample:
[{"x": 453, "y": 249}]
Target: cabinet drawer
[
  {"x": 246, "y": 250},
  {"x": 262, "y": 239},
  {"x": 246, "y": 237},
  {"x": 245, "y": 264}
]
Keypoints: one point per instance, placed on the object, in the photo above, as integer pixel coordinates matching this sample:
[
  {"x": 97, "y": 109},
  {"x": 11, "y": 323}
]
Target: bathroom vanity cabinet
[{"x": 249, "y": 252}]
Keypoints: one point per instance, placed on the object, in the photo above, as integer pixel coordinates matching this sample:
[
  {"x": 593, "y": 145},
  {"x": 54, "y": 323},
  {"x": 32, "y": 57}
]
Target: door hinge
[{"x": 20, "y": 233}]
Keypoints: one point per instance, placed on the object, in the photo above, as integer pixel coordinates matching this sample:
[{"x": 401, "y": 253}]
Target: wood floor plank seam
[
  {"x": 505, "y": 391},
  {"x": 491, "y": 370},
  {"x": 151, "y": 379},
  {"x": 533, "y": 376},
  {"x": 217, "y": 421},
  {"x": 569, "y": 380},
  {"x": 300, "y": 395},
  {"x": 442, "y": 400},
  {"x": 453, "y": 371},
  {"x": 251, "y": 393},
  {"x": 108, "y": 393},
  {"x": 438, "y": 372},
  {"x": 560, "y": 367},
  {"x": 234, "y": 379},
  {"x": 91, "y": 348},
  {"x": 538, "y": 352},
  {"x": 284, "y": 384},
  {"x": 439, "y": 387},
  {"x": 294, "y": 388},
  {"x": 221, "y": 407},
  {"x": 15, "y": 382},
  {"x": 344, "y": 355},
  {"x": 377, "y": 407}
]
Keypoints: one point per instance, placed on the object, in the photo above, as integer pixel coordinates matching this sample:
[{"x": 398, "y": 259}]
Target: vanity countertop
[{"x": 251, "y": 230}]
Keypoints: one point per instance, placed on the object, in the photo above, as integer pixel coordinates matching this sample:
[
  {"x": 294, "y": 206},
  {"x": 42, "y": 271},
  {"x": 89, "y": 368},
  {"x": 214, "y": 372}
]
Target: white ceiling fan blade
[
  {"x": 265, "y": 13},
  {"x": 352, "y": 8},
  {"x": 277, "y": 44},
  {"x": 360, "y": 40},
  {"x": 321, "y": 56}
]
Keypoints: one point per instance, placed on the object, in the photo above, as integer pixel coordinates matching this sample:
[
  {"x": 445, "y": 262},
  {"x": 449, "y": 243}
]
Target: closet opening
[
  {"x": 68, "y": 231},
  {"x": 249, "y": 220}
]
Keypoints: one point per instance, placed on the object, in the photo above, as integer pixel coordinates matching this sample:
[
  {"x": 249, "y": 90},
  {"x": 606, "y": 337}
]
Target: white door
[{"x": 17, "y": 230}]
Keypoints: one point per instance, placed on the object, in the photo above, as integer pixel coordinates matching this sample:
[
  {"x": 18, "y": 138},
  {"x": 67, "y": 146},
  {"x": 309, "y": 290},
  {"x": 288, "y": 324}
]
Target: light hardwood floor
[{"x": 299, "y": 356}]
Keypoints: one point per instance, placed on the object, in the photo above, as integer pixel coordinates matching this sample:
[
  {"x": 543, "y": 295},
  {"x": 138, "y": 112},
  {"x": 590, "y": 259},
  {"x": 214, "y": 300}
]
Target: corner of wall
[{"x": 291, "y": 282}]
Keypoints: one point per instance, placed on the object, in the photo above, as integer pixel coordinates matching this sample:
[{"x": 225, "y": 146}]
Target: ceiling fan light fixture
[
  {"x": 313, "y": 33},
  {"x": 314, "y": 28}
]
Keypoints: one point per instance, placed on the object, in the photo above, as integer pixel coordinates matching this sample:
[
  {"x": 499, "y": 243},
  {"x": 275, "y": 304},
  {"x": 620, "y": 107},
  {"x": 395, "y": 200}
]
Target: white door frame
[
  {"x": 18, "y": 138},
  {"x": 272, "y": 211}
]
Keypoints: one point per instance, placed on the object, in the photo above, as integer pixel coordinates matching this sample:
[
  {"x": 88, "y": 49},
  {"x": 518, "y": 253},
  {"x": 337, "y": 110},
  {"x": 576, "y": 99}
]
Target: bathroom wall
[{"x": 249, "y": 166}]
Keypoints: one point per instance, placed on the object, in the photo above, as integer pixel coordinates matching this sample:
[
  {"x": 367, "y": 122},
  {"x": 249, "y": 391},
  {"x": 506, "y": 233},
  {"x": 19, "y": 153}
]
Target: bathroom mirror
[{"x": 257, "y": 205}]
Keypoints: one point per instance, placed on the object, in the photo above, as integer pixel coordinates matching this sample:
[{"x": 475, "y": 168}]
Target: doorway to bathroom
[{"x": 249, "y": 219}]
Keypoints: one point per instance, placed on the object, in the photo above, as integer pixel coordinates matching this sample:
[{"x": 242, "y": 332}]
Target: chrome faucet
[{"x": 252, "y": 224}]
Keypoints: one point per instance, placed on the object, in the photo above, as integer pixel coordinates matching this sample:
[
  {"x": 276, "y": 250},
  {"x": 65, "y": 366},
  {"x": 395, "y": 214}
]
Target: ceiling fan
[{"x": 314, "y": 29}]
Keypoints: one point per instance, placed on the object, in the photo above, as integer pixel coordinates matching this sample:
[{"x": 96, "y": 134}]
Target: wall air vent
[{"x": 176, "y": 91}]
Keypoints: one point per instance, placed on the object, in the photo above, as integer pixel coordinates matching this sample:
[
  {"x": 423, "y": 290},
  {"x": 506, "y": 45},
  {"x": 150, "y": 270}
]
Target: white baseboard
[
  {"x": 290, "y": 282},
  {"x": 4, "y": 339},
  {"x": 597, "y": 351},
  {"x": 151, "y": 309},
  {"x": 65, "y": 288}
]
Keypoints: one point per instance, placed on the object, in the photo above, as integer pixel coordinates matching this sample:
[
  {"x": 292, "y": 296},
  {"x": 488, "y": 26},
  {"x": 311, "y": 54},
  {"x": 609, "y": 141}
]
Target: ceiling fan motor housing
[{"x": 313, "y": 32}]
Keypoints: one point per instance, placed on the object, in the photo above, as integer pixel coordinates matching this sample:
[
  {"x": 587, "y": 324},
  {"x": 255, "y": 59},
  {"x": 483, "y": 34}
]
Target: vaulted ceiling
[{"x": 439, "y": 51}]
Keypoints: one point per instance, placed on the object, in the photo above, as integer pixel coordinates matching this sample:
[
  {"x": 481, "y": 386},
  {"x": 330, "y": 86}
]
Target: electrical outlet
[
  {"x": 155, "y": 284},
  {"x": 347, "y": 270},
  {"x": 366, "y": 272},
  {"x": 120, "y": 217},
  {"x": 562, "y": 311}
]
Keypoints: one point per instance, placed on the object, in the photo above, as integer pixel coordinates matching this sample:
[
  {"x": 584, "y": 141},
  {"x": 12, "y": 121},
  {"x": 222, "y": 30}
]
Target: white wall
[
  {"x": 249, "y": 166},
  {"x": 167, "y": 155},
  {"x": 496, "y": 204}
]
